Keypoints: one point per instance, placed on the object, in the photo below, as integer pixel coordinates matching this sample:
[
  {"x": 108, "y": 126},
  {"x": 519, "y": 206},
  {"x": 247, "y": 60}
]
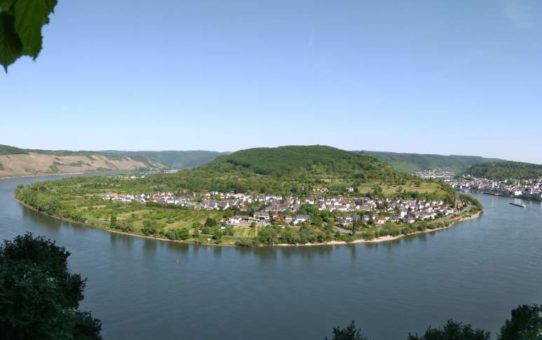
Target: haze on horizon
[{"x": 448, "y": 77}]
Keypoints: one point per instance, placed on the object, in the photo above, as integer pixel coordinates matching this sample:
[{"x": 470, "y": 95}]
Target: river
[{"x": 476, "y": 272}]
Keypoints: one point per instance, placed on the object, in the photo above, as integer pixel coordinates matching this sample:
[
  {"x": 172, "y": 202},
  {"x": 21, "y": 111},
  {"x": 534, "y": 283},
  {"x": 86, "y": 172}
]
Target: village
[
  {"x": 530, "y": 189},
  {"x": 262, "y": 210}
]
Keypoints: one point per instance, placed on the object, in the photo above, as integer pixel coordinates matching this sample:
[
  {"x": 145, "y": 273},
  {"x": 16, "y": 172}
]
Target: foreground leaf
[{"x": 10, "y": 44}]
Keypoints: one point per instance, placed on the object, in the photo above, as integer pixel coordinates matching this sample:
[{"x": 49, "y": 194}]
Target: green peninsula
[{"x": 263, "y": 196}]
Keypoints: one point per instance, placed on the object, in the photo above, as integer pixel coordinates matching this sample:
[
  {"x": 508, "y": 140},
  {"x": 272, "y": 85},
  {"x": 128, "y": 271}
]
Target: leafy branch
[{"x": 20, "y": 28}]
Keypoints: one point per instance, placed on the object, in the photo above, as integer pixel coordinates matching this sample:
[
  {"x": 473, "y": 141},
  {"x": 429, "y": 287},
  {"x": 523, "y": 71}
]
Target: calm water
[{"x": 474, "y": 272}]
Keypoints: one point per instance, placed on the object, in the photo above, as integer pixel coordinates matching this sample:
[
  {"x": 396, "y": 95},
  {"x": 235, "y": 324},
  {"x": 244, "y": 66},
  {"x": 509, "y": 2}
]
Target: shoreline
[
  {"x": 44, "y": 175},
  {"x": 280, "y": 245},
  {"x": 74, "y": 174}
]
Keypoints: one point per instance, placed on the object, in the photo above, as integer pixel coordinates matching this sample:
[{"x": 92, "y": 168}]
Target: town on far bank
[
  {"x": 263, "y": 210},
  {"x": 529, "y": 189}
]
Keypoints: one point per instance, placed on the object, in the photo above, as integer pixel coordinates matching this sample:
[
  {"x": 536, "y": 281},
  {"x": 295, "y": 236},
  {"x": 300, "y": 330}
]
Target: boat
[{"x": 521, "y": 205}]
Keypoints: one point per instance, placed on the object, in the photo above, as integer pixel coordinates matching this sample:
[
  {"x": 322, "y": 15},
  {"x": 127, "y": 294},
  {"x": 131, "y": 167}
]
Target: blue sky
[{"x": 447, "y": 77}]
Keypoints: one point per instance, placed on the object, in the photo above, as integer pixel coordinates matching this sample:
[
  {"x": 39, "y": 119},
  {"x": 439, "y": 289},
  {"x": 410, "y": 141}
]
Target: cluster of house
[
  {"x": 528, "y": 189},
  {"x": 435, "y": 174},
  {"x": 400, "y": 211},
  {"x": 270, "y": 208}
]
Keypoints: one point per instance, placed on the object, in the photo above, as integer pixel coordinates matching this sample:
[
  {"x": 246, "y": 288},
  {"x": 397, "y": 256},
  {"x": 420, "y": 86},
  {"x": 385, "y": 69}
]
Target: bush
[{"x": 39, "y": 297}]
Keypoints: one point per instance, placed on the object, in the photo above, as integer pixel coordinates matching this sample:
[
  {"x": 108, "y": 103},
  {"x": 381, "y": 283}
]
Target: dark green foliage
[
  {"x": 210, "y": 222},
  {"x": 268, "y": 236},
  {"x": 20, "y": 28},
  {"x": 471, "y": 200},
  {"x": 452, "y": 331},
  {"x": 113, "y": 222},
  {"x": 11, "y": 150},
  {"x": 349, "y": 332},
  {"x": 506, "y": 170},
  {"x": 178, "y": 234},
  {"x": 317, "y": 159},
  {"x": 246, "y": 243},
  {"x": 525, "y": 324},
  {"x": 150, "y": 227},
  {"x": 217, "y": 235},
  {"x": 39, "y": 297},
  {"x": 411, "y": 162}
]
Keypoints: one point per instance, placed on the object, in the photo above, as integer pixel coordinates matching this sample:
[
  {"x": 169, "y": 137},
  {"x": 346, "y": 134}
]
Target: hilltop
[
  {"x": 295, "y": 169},
  {"x": 412, "y": 162},
  {"x": 506, "y": 170},
  {"x": 298, "y": 160}
]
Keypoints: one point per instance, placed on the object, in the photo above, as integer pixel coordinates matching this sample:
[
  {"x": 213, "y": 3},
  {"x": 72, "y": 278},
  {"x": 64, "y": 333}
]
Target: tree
[
  {"x": 210, "y": 222},
  {"x": 525, "y": 324},
  {"x": 149, "y": 227},
  {"x": 20, "y": 28},
  {"x": 39, "y": 297},
  {"x": 349, "y": 332},
  {"x": 113, "y": 221},
  {"x": 452, "y": 331}
]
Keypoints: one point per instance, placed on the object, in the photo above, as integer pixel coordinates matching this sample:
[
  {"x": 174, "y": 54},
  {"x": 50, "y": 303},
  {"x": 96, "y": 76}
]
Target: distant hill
[
  {"x": 412, "y": 162},
  {"x": 506, "y": 170},
  {"x": 301, "y": 170},
  {"x": 11, "y": 150},
  {"x": 16, "y": 162},
  {"x": 42, "y": 163},
  {"x": 295, "y": 160},
  {"x": 174, "y": 159}
]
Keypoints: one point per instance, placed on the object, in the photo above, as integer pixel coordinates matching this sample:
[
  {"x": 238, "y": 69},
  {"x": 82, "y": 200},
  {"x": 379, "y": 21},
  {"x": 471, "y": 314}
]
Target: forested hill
[
  {"x": 506, "y": 170},
  {"x": 298, "y": 170},
  {"x": 412, "y": 162},
  {"x": 315, "y": 160}
]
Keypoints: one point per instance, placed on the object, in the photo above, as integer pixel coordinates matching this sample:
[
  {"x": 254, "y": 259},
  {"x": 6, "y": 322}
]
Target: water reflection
[
  {"x": 308, "y": 253},
  {"x": 32, "y": 217},
  {"x": 217, "y": 251},
  {"x": 119, "y": 239},
  {"x": 149, "y": 246}
]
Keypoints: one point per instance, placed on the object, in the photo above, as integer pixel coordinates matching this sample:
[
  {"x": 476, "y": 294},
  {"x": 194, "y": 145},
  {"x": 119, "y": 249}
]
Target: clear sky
[{"x": 447, "y": 77}]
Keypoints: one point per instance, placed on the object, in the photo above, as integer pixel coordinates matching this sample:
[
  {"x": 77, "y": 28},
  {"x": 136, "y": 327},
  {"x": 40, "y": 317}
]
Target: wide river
[{"x": 475, "y": 272}]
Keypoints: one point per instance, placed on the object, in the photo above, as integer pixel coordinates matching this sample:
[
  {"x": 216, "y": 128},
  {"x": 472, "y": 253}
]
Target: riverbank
[
  {"x": 72, "y": 174},
  {"x": 388, "y": 238}
]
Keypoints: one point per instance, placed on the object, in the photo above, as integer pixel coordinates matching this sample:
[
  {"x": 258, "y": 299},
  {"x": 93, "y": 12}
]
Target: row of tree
[{"x": 525, "y": 323}]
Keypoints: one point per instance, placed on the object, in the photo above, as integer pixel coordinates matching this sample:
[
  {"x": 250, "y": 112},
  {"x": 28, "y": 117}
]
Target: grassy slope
[
  {"x": 506, "y": 170},
  {"x": 410, "y": 162},
  {"x": 141, "y": 159}
]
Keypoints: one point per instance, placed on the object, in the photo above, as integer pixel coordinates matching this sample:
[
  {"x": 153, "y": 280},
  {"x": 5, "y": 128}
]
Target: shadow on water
[
  {"x": 118, "y": 239},
  {"x": 39, "y": 221},
  {"x": 149, "y": 246},
  {"x": 178, "y": 247},
  {"x": 309, "y": 253}
]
